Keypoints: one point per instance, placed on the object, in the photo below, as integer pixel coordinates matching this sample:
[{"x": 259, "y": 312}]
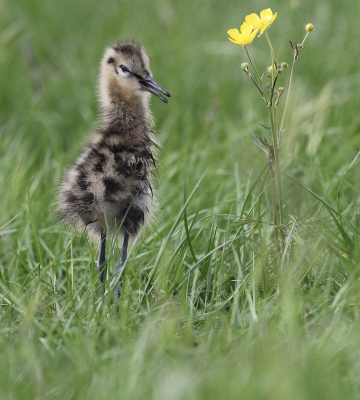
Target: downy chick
[{"x": 108, "y": 189}]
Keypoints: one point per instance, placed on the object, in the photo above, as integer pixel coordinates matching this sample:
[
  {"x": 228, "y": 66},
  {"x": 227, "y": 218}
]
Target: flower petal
[
  {"x": 246, "y": 35},
  {"x": 246, "y": 28},
  {"x": 273, "y": 18},
  {"x": 266, "y": 15},
  {"x": 253, "y": 19},
  {"x": 252, "y": 36},
  {"x": 234, "y": 33}
]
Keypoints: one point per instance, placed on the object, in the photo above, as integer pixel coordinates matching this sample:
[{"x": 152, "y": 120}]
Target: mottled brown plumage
[{"x": 109, "y": 186}]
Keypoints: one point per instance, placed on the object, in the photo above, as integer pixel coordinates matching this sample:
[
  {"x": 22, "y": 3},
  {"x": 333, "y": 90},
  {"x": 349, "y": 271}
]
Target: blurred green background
[{"x": 235, "y": 326}]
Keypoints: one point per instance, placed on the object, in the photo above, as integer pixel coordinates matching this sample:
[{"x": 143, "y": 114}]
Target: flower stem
[
  {"x": 286, "y": 102},
  {"x": 307, "y": 34},
  {"x": 272, "y": 57},
  {"x": 275, "y": 140},
  {"x": 295, "y": 57},
  {"x": 277, "y": 162},
  {"x": 252, "y": 64},
  {"x": 273, "y": 199},
  {"x": 256, "y": 71}
]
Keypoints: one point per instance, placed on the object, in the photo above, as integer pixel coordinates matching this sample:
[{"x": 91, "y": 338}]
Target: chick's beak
[{"x": 150, "y": 85}]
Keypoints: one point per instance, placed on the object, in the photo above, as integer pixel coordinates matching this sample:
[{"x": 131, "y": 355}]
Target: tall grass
[{"x": 205, "y": 312}]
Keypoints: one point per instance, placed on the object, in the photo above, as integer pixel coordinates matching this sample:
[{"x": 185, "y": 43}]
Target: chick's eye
[{"x": 123, "y": 68}]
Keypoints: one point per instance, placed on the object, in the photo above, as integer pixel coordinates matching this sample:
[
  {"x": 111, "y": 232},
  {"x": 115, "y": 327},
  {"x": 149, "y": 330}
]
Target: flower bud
[
  {"x": 244, "y": 65},
  {"x": 309, "y": 27},
  {"x": 300, "y": 47},
  {"x": 284, "y": 65},
  {"x": 270, "y": 69}
]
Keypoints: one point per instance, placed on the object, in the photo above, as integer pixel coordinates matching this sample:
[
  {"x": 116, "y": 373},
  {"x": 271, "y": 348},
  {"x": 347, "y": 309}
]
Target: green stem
[
  {"x": 273, "y": 199},
  {"x": 274, "y": 135},
  {"x": 307, "y": 34},
  {"x": 286, "y": 103},
  {"x": 277, "y": 162},
  {"x": 295, "y": 57},
  {"x": 256, "y": 71},
  {"x": 252, "y": 64},
  {"x": 272, "y": 58}
]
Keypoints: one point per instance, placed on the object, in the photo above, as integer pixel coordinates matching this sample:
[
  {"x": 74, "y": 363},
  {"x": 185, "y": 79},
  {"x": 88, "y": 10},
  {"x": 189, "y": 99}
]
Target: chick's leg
[
  {"x": 101, "y": 262},
  {"x": 120, "y": 271}
]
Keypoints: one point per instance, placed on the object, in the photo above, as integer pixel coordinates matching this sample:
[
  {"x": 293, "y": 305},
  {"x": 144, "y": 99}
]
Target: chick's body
[
  {"x": 111, "y": 179},
  {"x": 109, "y": 185}
]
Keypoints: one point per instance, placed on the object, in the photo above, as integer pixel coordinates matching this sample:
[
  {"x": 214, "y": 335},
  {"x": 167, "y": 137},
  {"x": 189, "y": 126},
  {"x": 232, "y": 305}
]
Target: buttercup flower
[
  {"x": 263, "y": 22},
  {"x": 245, "y": 36}
]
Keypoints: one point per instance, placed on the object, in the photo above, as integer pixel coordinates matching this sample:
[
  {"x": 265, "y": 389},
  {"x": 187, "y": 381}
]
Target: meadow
[{"x": 207, "y": 310}]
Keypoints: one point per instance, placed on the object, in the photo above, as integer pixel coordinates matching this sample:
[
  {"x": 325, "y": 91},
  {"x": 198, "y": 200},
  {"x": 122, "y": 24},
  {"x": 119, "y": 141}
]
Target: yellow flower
[
  {"x": 261, "y": 23},
  {"x": 245, "y": 36}
]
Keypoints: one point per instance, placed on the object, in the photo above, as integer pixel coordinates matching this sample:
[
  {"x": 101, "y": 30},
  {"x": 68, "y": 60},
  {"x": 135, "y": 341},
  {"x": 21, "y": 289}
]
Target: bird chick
[{"x": 108, "y": 189}]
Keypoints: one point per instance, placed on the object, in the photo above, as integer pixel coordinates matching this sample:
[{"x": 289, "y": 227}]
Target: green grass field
[{"x": 206, "y": 311}]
